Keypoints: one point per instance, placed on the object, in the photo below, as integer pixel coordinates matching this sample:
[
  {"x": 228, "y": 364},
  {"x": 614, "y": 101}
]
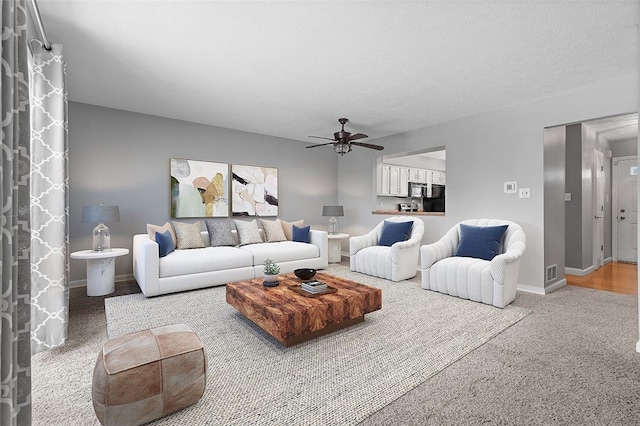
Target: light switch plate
[
  {"x": 567, "y": 196},
  {"x": 510, "y": 187},
  {"x": 525, "y": 192}
]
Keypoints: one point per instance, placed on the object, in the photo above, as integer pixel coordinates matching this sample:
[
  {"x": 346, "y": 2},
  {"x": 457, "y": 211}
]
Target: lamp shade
[
  {"x": 100, "y": 214},
  {"x": 332, "y": 211}
]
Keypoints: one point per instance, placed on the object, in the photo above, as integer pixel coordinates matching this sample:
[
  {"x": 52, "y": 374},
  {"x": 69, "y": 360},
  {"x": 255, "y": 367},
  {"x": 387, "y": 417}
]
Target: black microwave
[{"x": 434, "y": 191}]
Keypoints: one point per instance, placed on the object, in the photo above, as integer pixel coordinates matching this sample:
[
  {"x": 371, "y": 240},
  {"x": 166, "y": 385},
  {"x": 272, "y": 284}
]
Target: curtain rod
[{"x": 43, "y": 34}]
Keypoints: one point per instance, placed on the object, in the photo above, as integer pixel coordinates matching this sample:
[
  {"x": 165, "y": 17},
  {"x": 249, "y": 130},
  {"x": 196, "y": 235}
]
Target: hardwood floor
[{"x": 614, "y": 276}]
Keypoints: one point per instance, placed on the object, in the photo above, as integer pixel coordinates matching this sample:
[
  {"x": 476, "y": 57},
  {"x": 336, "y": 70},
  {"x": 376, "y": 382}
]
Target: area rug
[{"x": 337, "y": 379}]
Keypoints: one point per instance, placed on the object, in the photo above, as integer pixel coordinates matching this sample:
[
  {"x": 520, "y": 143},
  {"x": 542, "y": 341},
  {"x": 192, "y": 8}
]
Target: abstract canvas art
[
  {"x": 199, "y": 188},
  {"x": 254, "y": 191}
]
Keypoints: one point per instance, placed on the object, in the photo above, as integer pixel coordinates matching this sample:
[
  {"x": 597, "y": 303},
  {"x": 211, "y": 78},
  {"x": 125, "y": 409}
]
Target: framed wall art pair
[{"x": 209, "y": 189}]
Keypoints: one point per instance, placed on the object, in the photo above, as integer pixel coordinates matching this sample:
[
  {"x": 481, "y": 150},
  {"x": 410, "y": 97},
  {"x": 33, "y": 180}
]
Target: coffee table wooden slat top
[{"x": 290, "y": 317}]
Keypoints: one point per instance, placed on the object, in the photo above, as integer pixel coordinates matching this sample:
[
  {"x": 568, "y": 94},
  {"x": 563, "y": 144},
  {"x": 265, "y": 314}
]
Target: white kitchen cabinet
[
  {"x": 399, "y": 181},
  {"x": 383, "y": 179},
  {"x": 418, "y": 175},
  {"x": 438, "y": 177}
]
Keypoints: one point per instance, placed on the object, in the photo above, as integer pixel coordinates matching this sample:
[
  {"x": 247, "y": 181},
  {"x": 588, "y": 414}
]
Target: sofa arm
[
  {"x": 505, "y": 265},
  {"x": 399, "y": 249},
  {"x": 431, "y": 253},
  {"x": 321, "y": 239},
  {"x": 146, "y": 264},
  {"x": 359, "y": 242}
]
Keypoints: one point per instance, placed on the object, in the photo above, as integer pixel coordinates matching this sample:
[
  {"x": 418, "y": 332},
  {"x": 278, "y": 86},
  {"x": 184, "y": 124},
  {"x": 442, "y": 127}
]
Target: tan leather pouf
[{"x": 148, "y": 374}]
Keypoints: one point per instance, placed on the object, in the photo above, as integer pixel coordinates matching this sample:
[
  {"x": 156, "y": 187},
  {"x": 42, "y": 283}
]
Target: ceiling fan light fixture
[{"x": 342, "y": 148}]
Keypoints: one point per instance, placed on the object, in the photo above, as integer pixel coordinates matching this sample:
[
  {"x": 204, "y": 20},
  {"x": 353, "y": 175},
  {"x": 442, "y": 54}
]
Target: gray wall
[
  {"x": 484, "y": 151},
  {"x": 122, "y": 158},
  {"x": 625, "y": 148},
  {"x": 573, "y": 185},
  {"x": 554, "y": 212}
]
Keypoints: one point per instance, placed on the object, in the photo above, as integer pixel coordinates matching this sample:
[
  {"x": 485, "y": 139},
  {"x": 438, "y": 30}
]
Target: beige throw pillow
[
  {"x": 272, "y": 230},
  {"x": 152, "y": 229},
  {"x": 287, "y": 227},
  {"x": 248, "y": 232},
  {"x": 188, "y": 235}
]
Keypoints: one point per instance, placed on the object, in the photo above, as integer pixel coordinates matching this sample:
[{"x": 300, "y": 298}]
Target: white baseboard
[
  {"x": 83, "y": 283},
  {"x": 578, "y": 272},
  {"x": 530, "y": 289},
  {"x": 555, "y": 286},
  {"x": 542, "y": 291}
]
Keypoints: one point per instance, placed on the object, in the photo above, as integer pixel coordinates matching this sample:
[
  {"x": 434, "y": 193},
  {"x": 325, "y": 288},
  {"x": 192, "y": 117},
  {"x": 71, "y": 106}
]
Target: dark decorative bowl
[{"x": 305, "y": 273}]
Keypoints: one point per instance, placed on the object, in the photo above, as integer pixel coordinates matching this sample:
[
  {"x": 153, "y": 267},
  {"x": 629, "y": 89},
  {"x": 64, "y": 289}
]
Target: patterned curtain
[
  {"x": 49, "y": 198},
  {"x": 15, "y": 346}
]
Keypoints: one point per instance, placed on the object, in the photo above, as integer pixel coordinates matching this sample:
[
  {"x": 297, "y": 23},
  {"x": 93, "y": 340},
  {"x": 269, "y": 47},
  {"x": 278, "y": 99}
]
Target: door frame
[
  {"x": 598, "y": 188},
  {"x": 614, "y": 199}
]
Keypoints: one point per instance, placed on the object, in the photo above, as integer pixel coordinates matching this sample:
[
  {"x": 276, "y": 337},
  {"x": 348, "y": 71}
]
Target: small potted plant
[{"x": 271, "y": 271}]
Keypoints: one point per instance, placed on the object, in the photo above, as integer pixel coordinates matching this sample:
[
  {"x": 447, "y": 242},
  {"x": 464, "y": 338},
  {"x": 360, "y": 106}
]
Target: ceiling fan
[{"x": 343, "y": 140}]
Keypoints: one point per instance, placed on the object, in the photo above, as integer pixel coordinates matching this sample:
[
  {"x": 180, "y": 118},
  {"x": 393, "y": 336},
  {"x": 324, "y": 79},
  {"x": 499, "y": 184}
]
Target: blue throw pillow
[
  {"x": 393, "y": 232},
  {"x": 165, "y": 243},
  {"x": 481, "y": 242},
  {"x": 301, "y": 235}
]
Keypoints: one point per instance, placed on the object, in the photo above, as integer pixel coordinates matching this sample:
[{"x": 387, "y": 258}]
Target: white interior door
[
  {"x": 626, "y": 208},
  {"x": 598, "y": 209}
]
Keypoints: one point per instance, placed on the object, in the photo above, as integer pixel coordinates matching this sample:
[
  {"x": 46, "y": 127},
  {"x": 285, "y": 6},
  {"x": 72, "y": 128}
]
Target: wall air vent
[{"x": 552, "y": 273}]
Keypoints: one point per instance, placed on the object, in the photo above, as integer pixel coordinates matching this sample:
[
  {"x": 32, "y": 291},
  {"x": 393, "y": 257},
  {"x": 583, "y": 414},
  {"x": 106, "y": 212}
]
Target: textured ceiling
[{"x": 291, "y": 69}]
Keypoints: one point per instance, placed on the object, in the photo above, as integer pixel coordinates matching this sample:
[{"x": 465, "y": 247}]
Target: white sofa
[
  {"x": 493, "y": 282},
  {"x": 397, "y": 262},
  {"x": 190, "y": 269}
]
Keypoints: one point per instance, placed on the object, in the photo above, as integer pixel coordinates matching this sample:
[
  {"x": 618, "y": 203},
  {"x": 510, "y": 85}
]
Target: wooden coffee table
[{"x": 291, "y": 317}]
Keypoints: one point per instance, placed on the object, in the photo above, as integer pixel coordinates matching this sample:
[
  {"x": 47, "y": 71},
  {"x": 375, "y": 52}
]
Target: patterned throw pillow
[
  {"x": 152, "y": 229},
  {"x": 287, "y": 227},
  {"x": 272, "y": 230},
  {"x": 220, "y": 232},
  {"x": 248, "y": 232},
  {"x": 188, "y": 235}
]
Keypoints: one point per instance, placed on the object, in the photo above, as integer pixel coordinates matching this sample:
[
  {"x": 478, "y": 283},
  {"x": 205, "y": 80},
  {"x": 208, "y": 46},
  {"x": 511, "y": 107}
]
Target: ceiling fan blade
[
  {"x": 357, "y": 136},
  {"x": 322, "y": 137},
  {"x": 368, "y": 145},
  {"x": 320, "y": 144}
]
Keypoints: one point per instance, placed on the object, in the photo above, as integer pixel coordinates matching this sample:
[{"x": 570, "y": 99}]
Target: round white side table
[
  {"x": 335, "y": 247},
  {"x": 101, "y": 269}
]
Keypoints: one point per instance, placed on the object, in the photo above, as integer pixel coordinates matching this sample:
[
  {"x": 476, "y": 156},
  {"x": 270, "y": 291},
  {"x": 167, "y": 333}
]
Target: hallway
[{"x": 617, "y": 277}]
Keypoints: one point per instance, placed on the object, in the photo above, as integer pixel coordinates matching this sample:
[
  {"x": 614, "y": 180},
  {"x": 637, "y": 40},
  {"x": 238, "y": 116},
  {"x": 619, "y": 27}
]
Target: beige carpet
[
  {"x": 572, "y": 362},
  {"x": 338, "y": 379}
]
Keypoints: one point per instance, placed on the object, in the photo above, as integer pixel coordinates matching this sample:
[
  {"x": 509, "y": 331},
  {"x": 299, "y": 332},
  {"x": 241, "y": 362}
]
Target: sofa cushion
[
  {"x": 393, "y": 232},
  {"x": 287, "y": 227},
  {"x": 465, "y": 277},
  {"x": 188, "y": 235},
  {"x": 220, "y": 232},
  {"x": 301, "y": 235},
  {"x": 272, "y": 230},
  {"x": 208, "y": 259},
  {"x": 482, "y": 242},
  {"x": 282, "y": 251},
  {"x": 165, "y": 243},
  {"x": 248, "y": 232}
]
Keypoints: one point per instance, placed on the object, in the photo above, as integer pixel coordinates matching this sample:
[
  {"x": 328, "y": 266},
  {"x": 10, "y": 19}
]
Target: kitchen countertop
[{"x": 399, "y": 213}]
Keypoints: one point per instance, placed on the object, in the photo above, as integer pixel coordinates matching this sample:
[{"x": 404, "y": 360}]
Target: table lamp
[
  {"x": 100, "y": 214},
  {"x": 333, "y": 211}
]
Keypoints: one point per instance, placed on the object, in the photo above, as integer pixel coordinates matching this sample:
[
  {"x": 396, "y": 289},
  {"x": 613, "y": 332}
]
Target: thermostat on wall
[{"x": 510, "y": 187}]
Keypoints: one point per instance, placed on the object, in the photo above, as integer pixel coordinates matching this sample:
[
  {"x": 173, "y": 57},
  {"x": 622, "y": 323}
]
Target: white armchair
[
  {"x": 396, "y": 262},
  {"x": 492, "y": 281}
]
